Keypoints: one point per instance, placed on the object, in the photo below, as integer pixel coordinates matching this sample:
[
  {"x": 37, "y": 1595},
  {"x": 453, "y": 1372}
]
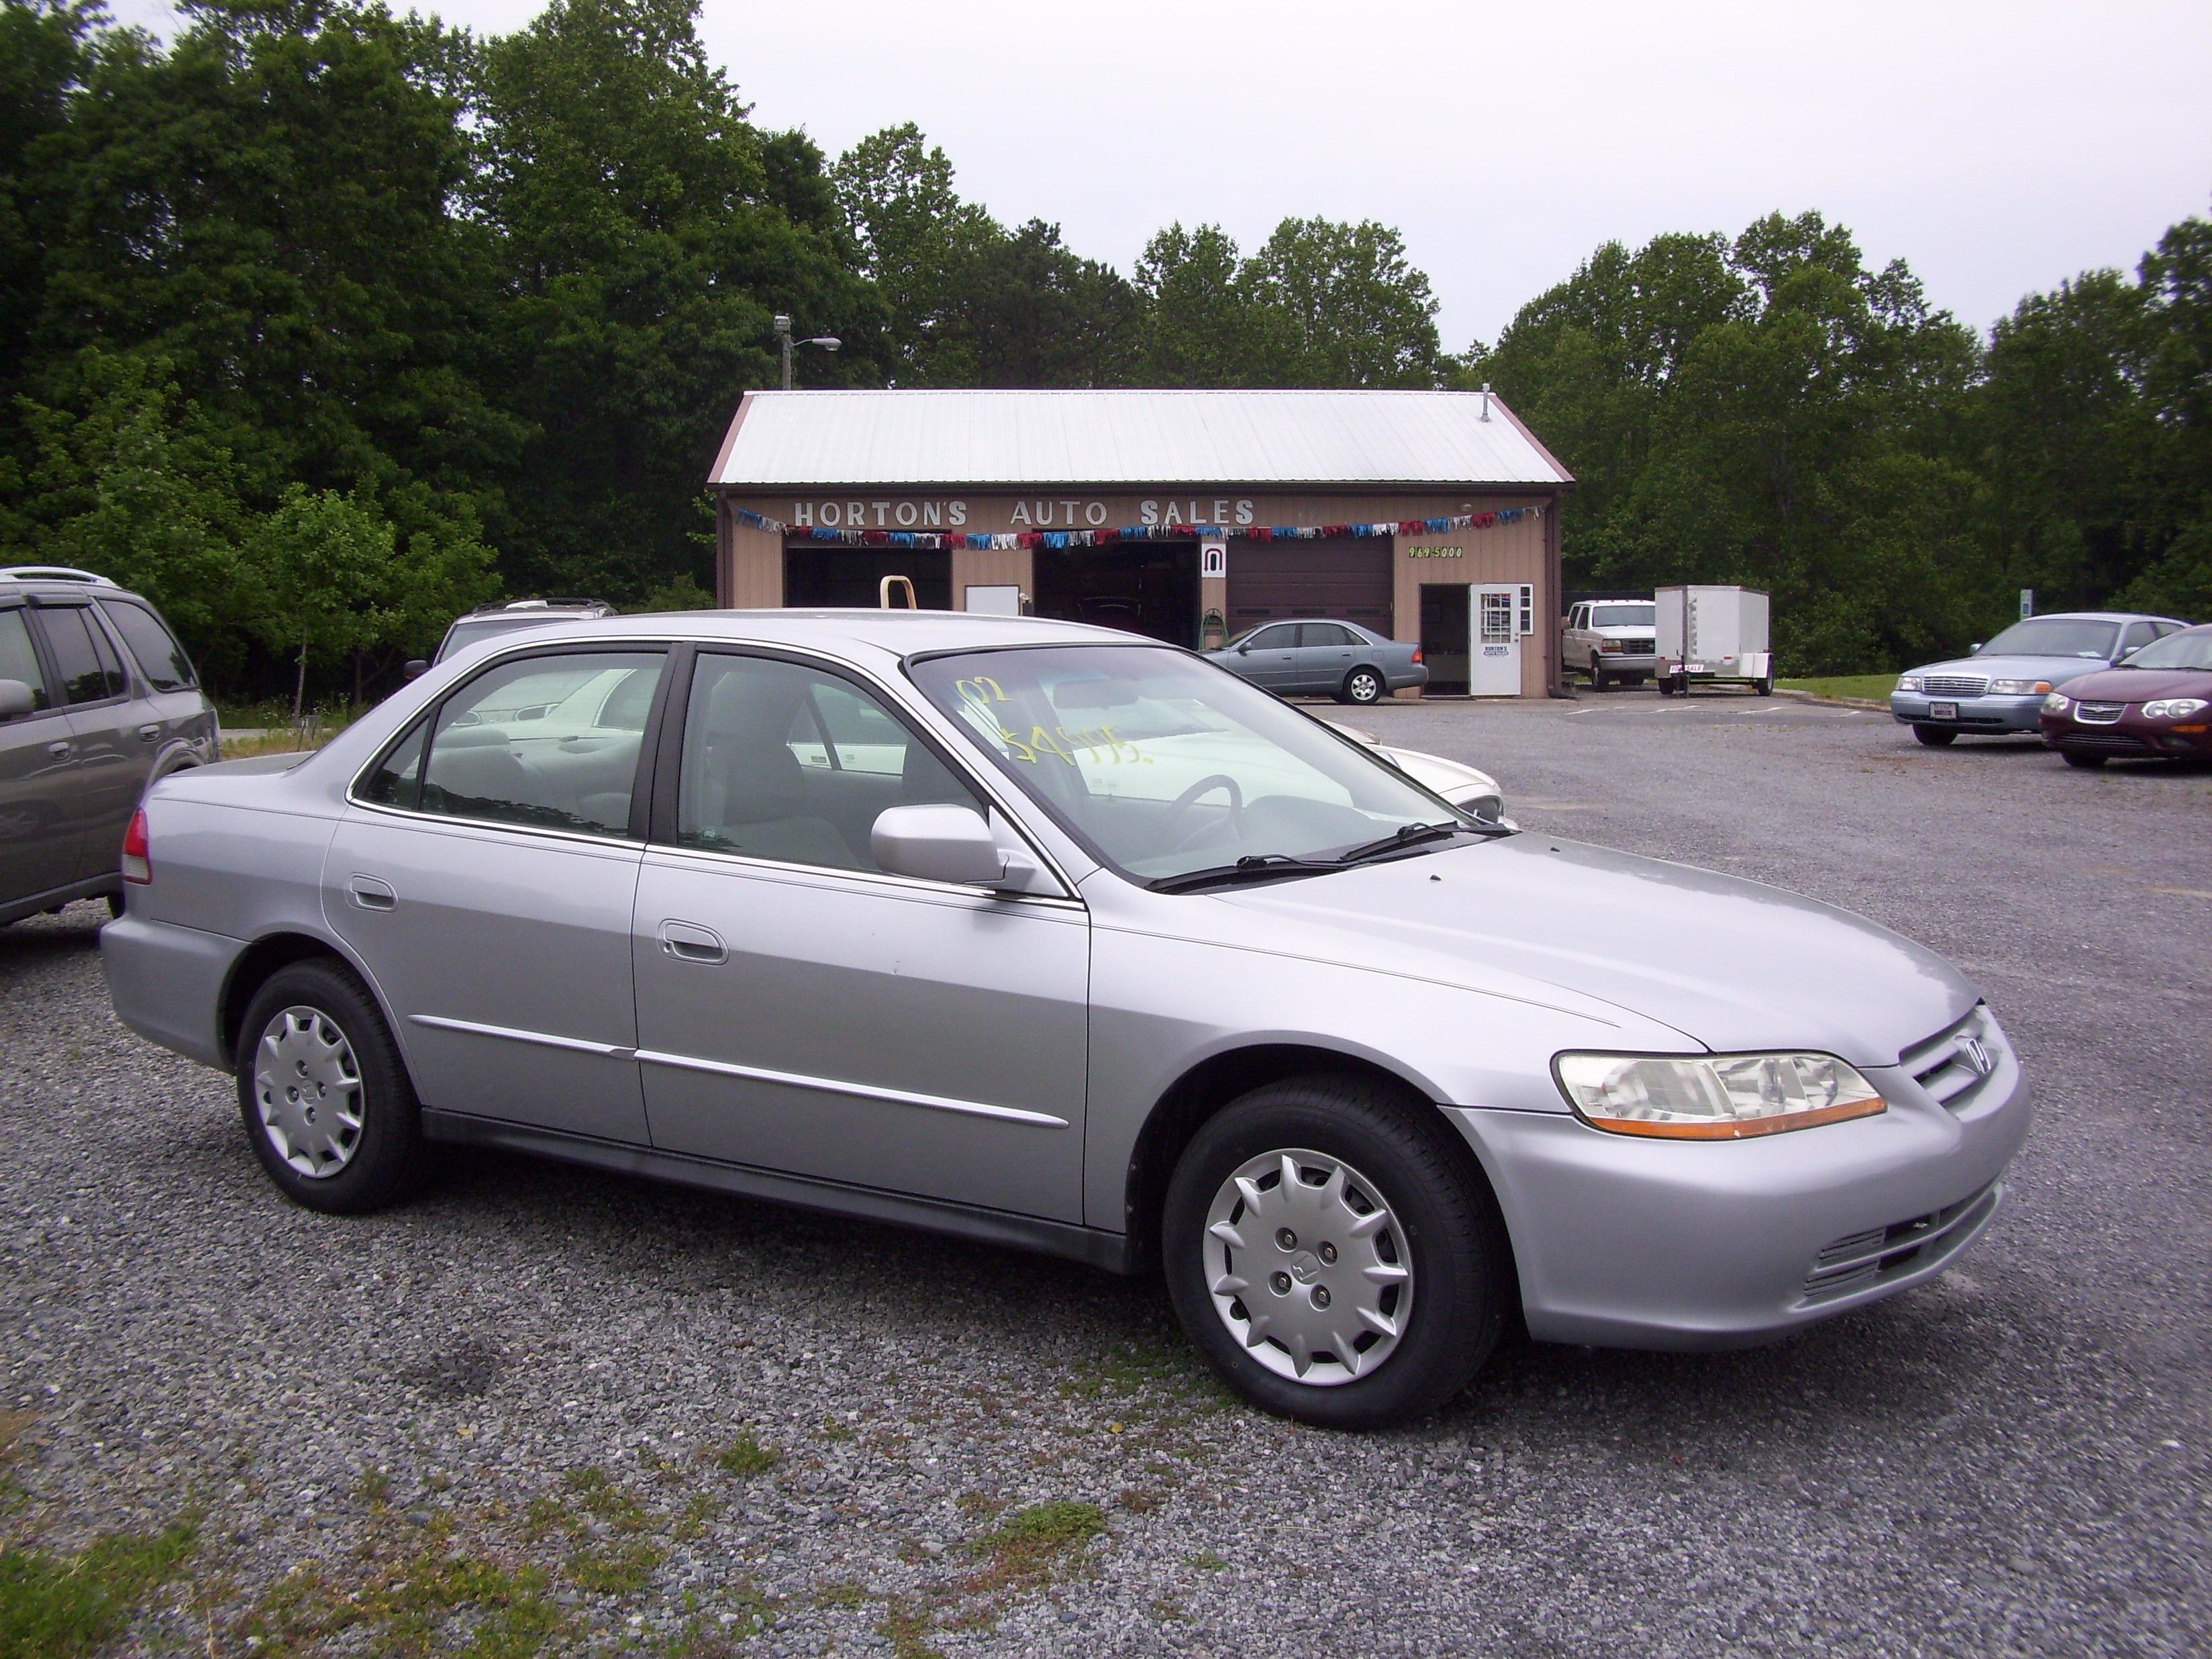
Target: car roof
[
  {"x": 899, "y": 633},
  {"x": 34, "y": 579},
  {"x": 2095, "y": 616}
]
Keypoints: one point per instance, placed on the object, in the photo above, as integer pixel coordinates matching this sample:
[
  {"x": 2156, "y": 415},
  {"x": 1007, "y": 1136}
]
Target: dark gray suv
[{"x": 97, "y": 700}]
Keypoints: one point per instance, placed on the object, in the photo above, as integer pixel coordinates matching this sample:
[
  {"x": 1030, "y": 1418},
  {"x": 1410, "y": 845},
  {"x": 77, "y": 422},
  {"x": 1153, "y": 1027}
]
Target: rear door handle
[
  {"x": 367, "y": 893},
  {"x": 150, "y": 732},
  {"x": 688, "y": 942}
]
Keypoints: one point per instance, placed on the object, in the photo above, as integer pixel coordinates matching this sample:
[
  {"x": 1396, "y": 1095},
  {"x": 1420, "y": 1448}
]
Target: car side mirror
[
  {"x": 15, "y": 700},
  {"x": 415, "y": 670},
  {"x": 938, "y": 843},
  {"x": 1244, "y": 650}
]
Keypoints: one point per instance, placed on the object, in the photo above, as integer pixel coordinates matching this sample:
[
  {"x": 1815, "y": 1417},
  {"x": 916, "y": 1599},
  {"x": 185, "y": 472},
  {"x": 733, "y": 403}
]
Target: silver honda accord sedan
[{"x": 1047, "y": 935}]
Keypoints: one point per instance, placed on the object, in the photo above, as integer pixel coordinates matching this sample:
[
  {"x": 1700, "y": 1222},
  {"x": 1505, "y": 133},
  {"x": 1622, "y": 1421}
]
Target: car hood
[
  {"x": 2054, "y": 669},
  {"x": 2142, "y": 684},
  {"x": 1729, "y": 963}
]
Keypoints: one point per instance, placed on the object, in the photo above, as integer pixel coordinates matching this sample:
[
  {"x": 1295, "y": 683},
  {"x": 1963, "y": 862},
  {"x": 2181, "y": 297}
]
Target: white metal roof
[{"x": 781, "y": 439}]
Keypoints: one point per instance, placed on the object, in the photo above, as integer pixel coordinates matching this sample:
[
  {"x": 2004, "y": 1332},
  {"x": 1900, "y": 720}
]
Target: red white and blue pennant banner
[{"x": 1006, "y": 540}]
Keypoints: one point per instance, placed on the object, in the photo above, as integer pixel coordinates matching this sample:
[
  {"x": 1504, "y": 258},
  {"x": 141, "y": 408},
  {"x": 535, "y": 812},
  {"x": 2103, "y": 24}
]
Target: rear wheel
[
  {"x": 1765, "y": 687},
  {"x": 1935, "y": 737},
  {"x": 325, "y": 1097},
  {"x": 2082, "y": 759},
  {"x": 1333, "y": 1255},
  {"x": 1363, "y": 685}
]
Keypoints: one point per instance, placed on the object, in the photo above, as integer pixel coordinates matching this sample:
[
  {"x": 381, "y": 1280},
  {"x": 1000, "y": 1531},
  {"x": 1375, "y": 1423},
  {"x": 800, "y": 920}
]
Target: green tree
[
  {"x": 1203, "y": 326},
  {"x": 917, "y": 242},
  {"x": 1346, "y": 306},
  {"x": 650, "y": 235},
  {"x": 320, "y": 571}
]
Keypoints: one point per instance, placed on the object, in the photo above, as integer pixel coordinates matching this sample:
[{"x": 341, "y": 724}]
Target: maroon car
[{"x": 2158, "y": 702}]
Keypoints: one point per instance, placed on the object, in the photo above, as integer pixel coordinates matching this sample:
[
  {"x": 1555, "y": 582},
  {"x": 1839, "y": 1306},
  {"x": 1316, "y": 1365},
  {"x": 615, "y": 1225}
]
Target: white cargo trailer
[{"x": 1711, "y": 633}]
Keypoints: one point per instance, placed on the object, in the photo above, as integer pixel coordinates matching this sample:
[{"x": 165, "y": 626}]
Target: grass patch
[
  {"x": 1207, "y": 1561},
  {"x": 1872, "y": 688},
  {"x": 409, "y": 1604},
  {"x": 745, "y": 1455},
  {"x": 1025, "y": 1544},
  {"x": 53, "y": 1607},
  {"x": 616, "y": 1569},
  {"x": 846, "y": 1592},
  {"x": 907, "y": 1627}
]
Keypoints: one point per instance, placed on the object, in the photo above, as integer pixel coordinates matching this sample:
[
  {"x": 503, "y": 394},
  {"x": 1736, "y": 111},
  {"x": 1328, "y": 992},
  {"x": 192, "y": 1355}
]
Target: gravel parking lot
[{"x": 542, "y": 1406}]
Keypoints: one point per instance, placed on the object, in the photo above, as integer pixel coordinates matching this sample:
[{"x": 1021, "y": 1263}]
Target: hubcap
[
  {"x": 1308, "y": 1266},
  {"x": 308, "y": 1087}
]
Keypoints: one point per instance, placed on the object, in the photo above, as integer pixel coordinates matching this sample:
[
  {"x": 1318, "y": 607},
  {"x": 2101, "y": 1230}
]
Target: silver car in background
[
  {"x": 1321, "y": 658},
  {"x": 1046, "y": 935}
]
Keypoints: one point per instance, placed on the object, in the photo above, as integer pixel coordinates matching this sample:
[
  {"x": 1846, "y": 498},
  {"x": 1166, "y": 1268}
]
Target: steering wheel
[{"x": 1189, "y": 798}]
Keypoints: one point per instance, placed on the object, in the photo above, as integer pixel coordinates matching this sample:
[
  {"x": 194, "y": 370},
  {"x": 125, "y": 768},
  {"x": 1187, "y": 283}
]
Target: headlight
[
  {"x": 2019, "y": 688},
  {"x": 1908, "y": 682},
  {"x": 1723, "y": 1097},
  {"x": 2055, "y": 703},
  {"x": 2173, "y": 708}
]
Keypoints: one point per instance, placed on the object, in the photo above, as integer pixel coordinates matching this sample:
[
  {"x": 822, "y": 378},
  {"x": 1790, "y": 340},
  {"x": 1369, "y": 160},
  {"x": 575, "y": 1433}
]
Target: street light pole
[{"x": 826, "y": 342}]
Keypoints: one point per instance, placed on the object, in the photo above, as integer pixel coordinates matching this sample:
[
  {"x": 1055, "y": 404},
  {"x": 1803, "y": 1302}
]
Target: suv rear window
[
  {"x": 90, "y": 669},
  {"x": 161, "y": 658}
]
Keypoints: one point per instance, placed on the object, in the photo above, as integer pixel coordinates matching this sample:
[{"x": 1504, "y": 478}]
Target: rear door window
[
  {"x": 526, "y": 742},
  {"x": 90, "y": 669},
  {"x": 18, "y": 661},
  {"x": 161, "y": 658},
  {"x": 1330, "y": 634}
]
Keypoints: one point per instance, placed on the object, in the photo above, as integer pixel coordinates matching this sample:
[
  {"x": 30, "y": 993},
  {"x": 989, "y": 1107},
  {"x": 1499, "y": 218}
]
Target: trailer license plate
[
  {"x": 1693, "y": 668},
  {"x": 1942, "y": 711}
]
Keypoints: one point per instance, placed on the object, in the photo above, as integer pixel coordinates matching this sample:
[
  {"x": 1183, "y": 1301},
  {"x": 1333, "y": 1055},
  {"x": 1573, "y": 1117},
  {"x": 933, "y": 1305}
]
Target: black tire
[
  {"x": 2083, "y": 758},
  {"x": 115, "y": 906},
  {"x": 1598, "y": 681},
  {"x": 1453, "y": 1240},
  {"x": 1364, "y": 686},
  {"x": 1764, "y": 688},
  {"x": 1935, "y": 737},
  {"x": 386, "y": 1152},
  {"x": 1666, "y": 686}
]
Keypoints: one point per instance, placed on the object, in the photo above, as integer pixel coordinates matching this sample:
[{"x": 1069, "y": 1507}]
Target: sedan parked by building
[
  {"x": 1051, "y": 936},
  {"x": 1467, "y": 787},
  {"x": 1611, "y": 640},
  {"x": 2157, "y": 704},
  {"x": 1998, "y": 691},
  {"x": 1338, "y": 660},
  {"x": 96, "y": 699}
]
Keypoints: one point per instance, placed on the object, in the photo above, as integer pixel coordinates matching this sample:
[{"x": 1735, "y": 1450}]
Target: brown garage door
[{"x": 1348, "y": 578}]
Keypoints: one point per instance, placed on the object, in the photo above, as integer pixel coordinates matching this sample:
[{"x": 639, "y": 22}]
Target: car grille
[
  {"x": 2099, "y": 714},
  {"x": 2111, "y": 742},
  {"x": 1944, "y": 1064},
  {"x": 1881, "y": 1255},
  {"x": 1954, "y": 685},
  {"x": 1639, "y": 648}
]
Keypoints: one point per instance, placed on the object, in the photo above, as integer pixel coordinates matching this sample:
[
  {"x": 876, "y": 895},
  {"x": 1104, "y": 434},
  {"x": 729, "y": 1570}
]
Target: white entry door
[{"x": 1494, "y": 664}]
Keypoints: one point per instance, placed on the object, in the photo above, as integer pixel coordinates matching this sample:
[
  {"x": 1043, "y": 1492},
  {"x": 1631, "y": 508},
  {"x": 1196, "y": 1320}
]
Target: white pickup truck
[{"x": 1610, "y": 639}]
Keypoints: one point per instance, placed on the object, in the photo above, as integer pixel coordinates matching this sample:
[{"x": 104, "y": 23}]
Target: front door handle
[
  {"x": 59, "y": 751},
  {"x": 367, "y": 893},
  {"x": 688, "y": 942},
  {"x": 150, "y": 732}
]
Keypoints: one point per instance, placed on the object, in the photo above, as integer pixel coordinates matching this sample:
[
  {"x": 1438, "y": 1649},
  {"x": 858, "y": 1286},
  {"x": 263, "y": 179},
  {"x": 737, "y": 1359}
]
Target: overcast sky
[{"x": 1999, "y": 146}]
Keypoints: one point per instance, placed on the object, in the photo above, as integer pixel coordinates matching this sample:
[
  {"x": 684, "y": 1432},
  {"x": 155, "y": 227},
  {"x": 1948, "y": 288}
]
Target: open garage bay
[{"x": 645, "y": 1417}]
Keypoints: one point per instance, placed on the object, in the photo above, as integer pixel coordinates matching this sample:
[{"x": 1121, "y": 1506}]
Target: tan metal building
[{"x": 1190, "y": 516}]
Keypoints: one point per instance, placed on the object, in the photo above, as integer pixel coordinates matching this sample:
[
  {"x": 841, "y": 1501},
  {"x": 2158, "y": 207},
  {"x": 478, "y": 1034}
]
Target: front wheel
[
  {"x": 1363, "y": 685},
  {"x": 2081, "y": 758},
  {"x": 1598, "y": 681},
  {"x": 1333, "y": 1255},
  {"x": 1935, "y": 737},
  {"x": 325, "y": 1098}
]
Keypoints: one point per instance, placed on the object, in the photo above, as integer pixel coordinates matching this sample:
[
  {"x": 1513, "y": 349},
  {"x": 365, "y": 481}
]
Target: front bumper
[
  {"x": 1623, "y": 662},
  {"x": 1625, "y": 1242},
  {"x": 167, "y": 983},
  {"x": 1983, "y": 714},
  {"x": 2129, "y": 735}
]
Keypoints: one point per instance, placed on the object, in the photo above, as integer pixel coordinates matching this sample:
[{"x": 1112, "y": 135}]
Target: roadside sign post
[{"x": 2027, "y": 602}]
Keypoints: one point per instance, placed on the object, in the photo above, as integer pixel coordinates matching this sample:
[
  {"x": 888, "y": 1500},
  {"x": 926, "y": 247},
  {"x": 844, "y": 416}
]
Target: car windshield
[
  {"x": 2190, "y": 650},
  {"x": 2054, "y": 636},
  {"x": 1164, "y": 765},
  {"x": 1625, "y": 616}
]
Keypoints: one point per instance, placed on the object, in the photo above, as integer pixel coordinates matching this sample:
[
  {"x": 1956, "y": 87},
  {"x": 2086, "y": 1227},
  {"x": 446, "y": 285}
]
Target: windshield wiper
[
  {"x": 1253, "y": 866},
  {"x": 1414, "y": 834}
]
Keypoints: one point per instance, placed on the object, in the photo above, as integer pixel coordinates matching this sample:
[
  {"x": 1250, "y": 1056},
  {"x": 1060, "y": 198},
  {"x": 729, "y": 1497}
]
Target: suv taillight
[
  {"x": 1416, "y": 654},
  {"x": 137, "y": 851}
]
